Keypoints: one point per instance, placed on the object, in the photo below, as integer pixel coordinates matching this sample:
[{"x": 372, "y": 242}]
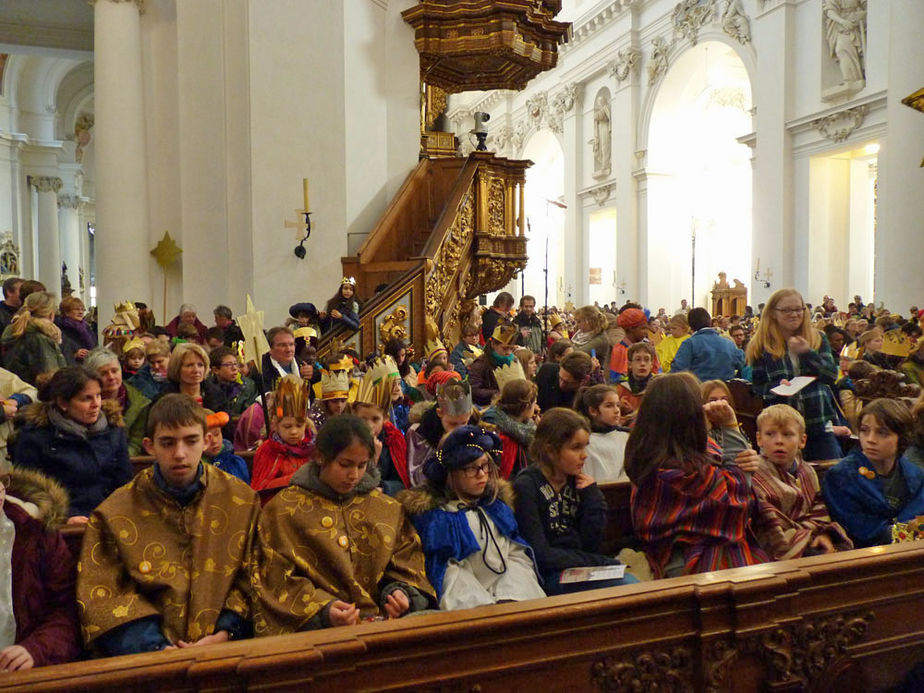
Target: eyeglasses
[
  {"x": 790, "y": 311},
  {"x": 474, "y": 470},
  {"x": 230, "y": 364}
]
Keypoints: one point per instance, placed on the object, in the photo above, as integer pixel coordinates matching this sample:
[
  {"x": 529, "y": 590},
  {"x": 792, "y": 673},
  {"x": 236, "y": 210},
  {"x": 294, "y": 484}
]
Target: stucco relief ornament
[
  {"x": 689, "y": 16},
  {"x": 601, "y": 194},
  {"x": 501, "y": 137},
  {"x": 626, "y": 63},
  {"x": 838, "y": 126},
  {"x": 537, "y": 107},
  {"x": 657, "y": 61},
  {"x": 735, "y": 22},
  {"x": 46, "y": 183}
]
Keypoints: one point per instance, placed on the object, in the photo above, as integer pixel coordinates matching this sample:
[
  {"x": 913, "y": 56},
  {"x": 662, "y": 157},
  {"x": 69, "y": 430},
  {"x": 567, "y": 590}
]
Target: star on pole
[
  {"x": 255, "y": 344},
  {"x": 167, "y": 251}
]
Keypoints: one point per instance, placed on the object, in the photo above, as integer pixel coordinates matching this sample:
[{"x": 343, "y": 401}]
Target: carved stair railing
[{"x": 455, "y": 230}]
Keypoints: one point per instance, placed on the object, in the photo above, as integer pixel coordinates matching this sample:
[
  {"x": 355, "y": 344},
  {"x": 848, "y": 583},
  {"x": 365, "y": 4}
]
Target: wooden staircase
[{"x": 455, "y": 230}]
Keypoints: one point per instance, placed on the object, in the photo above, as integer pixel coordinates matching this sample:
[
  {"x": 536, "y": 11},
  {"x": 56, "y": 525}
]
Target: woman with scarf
[
  {"x": 77, "y": 339},
  {"x": 32, "y": 342},
  {"x": 76, "y": 438},
  {"x": 133, "y": 405}
]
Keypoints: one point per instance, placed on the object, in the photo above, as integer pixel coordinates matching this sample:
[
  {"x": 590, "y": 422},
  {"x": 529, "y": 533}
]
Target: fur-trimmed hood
[
  {"x": 37, "y": 414},
  {"x": 422, "y": 499},
  {"x": 49, "y": 500}
]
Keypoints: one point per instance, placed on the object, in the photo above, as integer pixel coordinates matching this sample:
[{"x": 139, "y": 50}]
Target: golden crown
[
  {"x": 376, "y": 386},
  {"x": 505, "y": 333},
  {"x": 509, "y": 372},
  {"x": 291, "y": 397},
  {"x": 335, "y": 384}
]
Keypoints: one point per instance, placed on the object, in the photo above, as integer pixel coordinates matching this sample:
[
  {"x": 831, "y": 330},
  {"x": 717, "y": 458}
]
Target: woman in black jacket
[{"x": 74, "y": 437}]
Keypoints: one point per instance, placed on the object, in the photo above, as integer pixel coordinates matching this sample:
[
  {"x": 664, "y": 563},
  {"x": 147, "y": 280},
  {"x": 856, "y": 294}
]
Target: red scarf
[{"x": 397, "y": 448}]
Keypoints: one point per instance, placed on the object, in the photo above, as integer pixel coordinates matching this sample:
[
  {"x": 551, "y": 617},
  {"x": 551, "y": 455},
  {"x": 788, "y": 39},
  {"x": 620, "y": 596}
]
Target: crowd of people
[{"x": 392, "y": 483}]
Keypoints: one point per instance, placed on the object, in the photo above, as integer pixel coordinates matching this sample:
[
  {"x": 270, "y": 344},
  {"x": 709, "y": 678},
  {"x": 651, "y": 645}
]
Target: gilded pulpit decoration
[
  {"x": 449, "y": 255},
  {"x": 394, "y": 326},
  {"x": 496, "y": 206},
  {"x": 626, "y": 64},
  {"x": 916, "y": 101}
]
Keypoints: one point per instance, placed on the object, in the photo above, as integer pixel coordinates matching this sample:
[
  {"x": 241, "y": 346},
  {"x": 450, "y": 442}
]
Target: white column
[
  {"x": 575, "y": 279},
  {"x": 773, "y": 241},
  {"x": 899, "y": 281},
  {"x": 122, "y": 245},
  {"x": 69, "y": 230},
  {"x": 49, "y": 247}
]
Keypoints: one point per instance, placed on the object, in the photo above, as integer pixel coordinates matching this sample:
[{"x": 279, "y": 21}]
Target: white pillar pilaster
[
  {"x": 122, "y": 244},
  {"x": 899, "y": 281},
  {"x": 69, "y": 230},
  {"x": 575, "y": 263},
  {"x": 49, "y": 246}
]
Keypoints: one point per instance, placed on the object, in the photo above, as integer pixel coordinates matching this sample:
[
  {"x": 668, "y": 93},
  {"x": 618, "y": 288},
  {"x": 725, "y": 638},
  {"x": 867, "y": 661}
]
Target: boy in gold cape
[{"x": 164, "y": 559}]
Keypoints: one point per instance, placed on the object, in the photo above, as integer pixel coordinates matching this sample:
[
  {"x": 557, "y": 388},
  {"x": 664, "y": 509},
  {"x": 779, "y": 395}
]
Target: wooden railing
[
  {"x": 843, "y": 622},
  {"x": 455, "y": 230}
]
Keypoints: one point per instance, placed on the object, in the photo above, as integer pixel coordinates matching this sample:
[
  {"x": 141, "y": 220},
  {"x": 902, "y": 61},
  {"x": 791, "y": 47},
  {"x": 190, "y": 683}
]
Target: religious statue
[
  {"x": 845, "y": 33},
  {"x": 602, "y": 135},
  {"x": 657, "y": 63}
]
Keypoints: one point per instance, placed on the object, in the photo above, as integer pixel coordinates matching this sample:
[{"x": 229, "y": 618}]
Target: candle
[{"x": 305, "y": 185}]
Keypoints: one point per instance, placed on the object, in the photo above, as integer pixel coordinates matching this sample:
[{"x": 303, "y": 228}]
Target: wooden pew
[{"x": 845, "y": 622}]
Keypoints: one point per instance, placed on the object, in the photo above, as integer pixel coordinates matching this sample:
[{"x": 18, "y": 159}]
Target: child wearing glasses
[
  {"x": 474, "y": 553},
  {"x": 784, "y": 346}
]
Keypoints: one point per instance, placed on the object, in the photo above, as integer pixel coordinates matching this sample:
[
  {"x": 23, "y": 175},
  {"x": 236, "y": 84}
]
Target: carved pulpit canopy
[{"x": 483, "y": 44}]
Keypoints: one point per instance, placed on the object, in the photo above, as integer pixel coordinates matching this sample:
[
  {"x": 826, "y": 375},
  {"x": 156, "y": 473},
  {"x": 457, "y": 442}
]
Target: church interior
[{"x": 617, "y": 163}]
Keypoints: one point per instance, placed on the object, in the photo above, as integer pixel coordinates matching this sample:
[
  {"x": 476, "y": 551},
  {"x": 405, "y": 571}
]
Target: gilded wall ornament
[
  {"x": 496, "y": 207},
  {"x": 660, "y": 670},
  {"x": 394, "y": 325},
  {"x": 449, "y": 255},
  {"x": 626, "y": 64},
  {"x": 837, "y": 127}
]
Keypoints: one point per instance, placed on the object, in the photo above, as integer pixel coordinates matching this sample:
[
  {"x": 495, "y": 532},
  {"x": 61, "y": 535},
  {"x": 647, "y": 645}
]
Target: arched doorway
[
  {"x": 545, "y": 188},
  {"x": 699, "y": 177}
]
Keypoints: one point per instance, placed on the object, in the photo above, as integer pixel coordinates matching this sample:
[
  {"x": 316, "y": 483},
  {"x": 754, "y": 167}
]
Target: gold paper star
[
  {"x": 255, "y": 344},
  {"x": 167, "y": 251}
]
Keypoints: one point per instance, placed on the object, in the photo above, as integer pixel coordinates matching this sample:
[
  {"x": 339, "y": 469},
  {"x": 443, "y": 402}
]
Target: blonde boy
[{"x": 793, "y": 520}]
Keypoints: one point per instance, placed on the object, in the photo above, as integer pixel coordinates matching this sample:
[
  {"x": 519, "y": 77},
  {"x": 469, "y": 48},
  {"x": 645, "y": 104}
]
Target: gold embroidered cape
[
  {"x": 144, "y": 554},
  {"x": 312, "y": 550}
]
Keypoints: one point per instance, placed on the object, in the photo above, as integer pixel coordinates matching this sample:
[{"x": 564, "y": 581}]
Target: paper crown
[
  {"x": 291, "y": 397},
  {"x": 348, "y": 280},
  {"x": 376, "y": 386},
  {"x": 852, "y": 351},
  {"x": 132, "y": 344},
  {"x": 897, "y": 343},
  {"x": 309, "y": 334},
  {"x": 124, "y": 306},
  {"x": 470, "y": 354},
  {"x": 434, "y": 345},
  {"x": 457, "y": 404},
  {"x": 505, "y": 333},
  {"x": 509, "y": 372},
  {"x": 555, "y": 319},
  {"x": 335, "y": 379}
]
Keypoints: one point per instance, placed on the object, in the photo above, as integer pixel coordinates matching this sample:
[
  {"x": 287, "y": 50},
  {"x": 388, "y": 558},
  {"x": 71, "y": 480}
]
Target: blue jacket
[
  {"x": 709, "y": 356},
  {"x": 233, "y": 464},
  {"x": 859, "y": 504},
  {"x": 144, "y": 382}
]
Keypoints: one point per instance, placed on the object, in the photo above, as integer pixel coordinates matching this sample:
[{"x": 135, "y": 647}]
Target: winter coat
[
  {"x": 516, "y": 437},
  {"x": 89, "y": 468},
  {"x": 534, "y": 341},
  {"x": 135, "y": 418},
  {"x": 238, "y": 395},
  {"x": 74, "y": 337},
  {"x": 43, "y": 570},
  {"x": 11, "y": 384},
  {"x": 32, "y": 353},
  {"x": 481, "y": 377},
  {"x": 144, "y": 382},
  {"x": 200, "y": 328},
  {"x": 446, "y": 536},
  {"x": 230, "y": 463}
]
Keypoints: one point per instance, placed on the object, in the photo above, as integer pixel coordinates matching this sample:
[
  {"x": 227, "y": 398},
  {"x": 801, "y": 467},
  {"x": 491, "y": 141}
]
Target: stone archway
[{"x": 699, "y": 176}]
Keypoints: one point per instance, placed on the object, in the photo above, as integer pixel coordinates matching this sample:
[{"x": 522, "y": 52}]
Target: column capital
[
  {"x": 46, "y": 183},
  {"x": 68, "y": 201},
  {"x": 138, "y": 3}
]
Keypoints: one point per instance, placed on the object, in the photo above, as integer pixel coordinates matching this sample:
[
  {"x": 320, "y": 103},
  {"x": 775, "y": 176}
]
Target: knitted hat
[
  {"x": 463, "y": 446},
  {"x": 440, "y": 378},
  {"x": 304, "y": 307},
  {"x": 631, "y": 317}
]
